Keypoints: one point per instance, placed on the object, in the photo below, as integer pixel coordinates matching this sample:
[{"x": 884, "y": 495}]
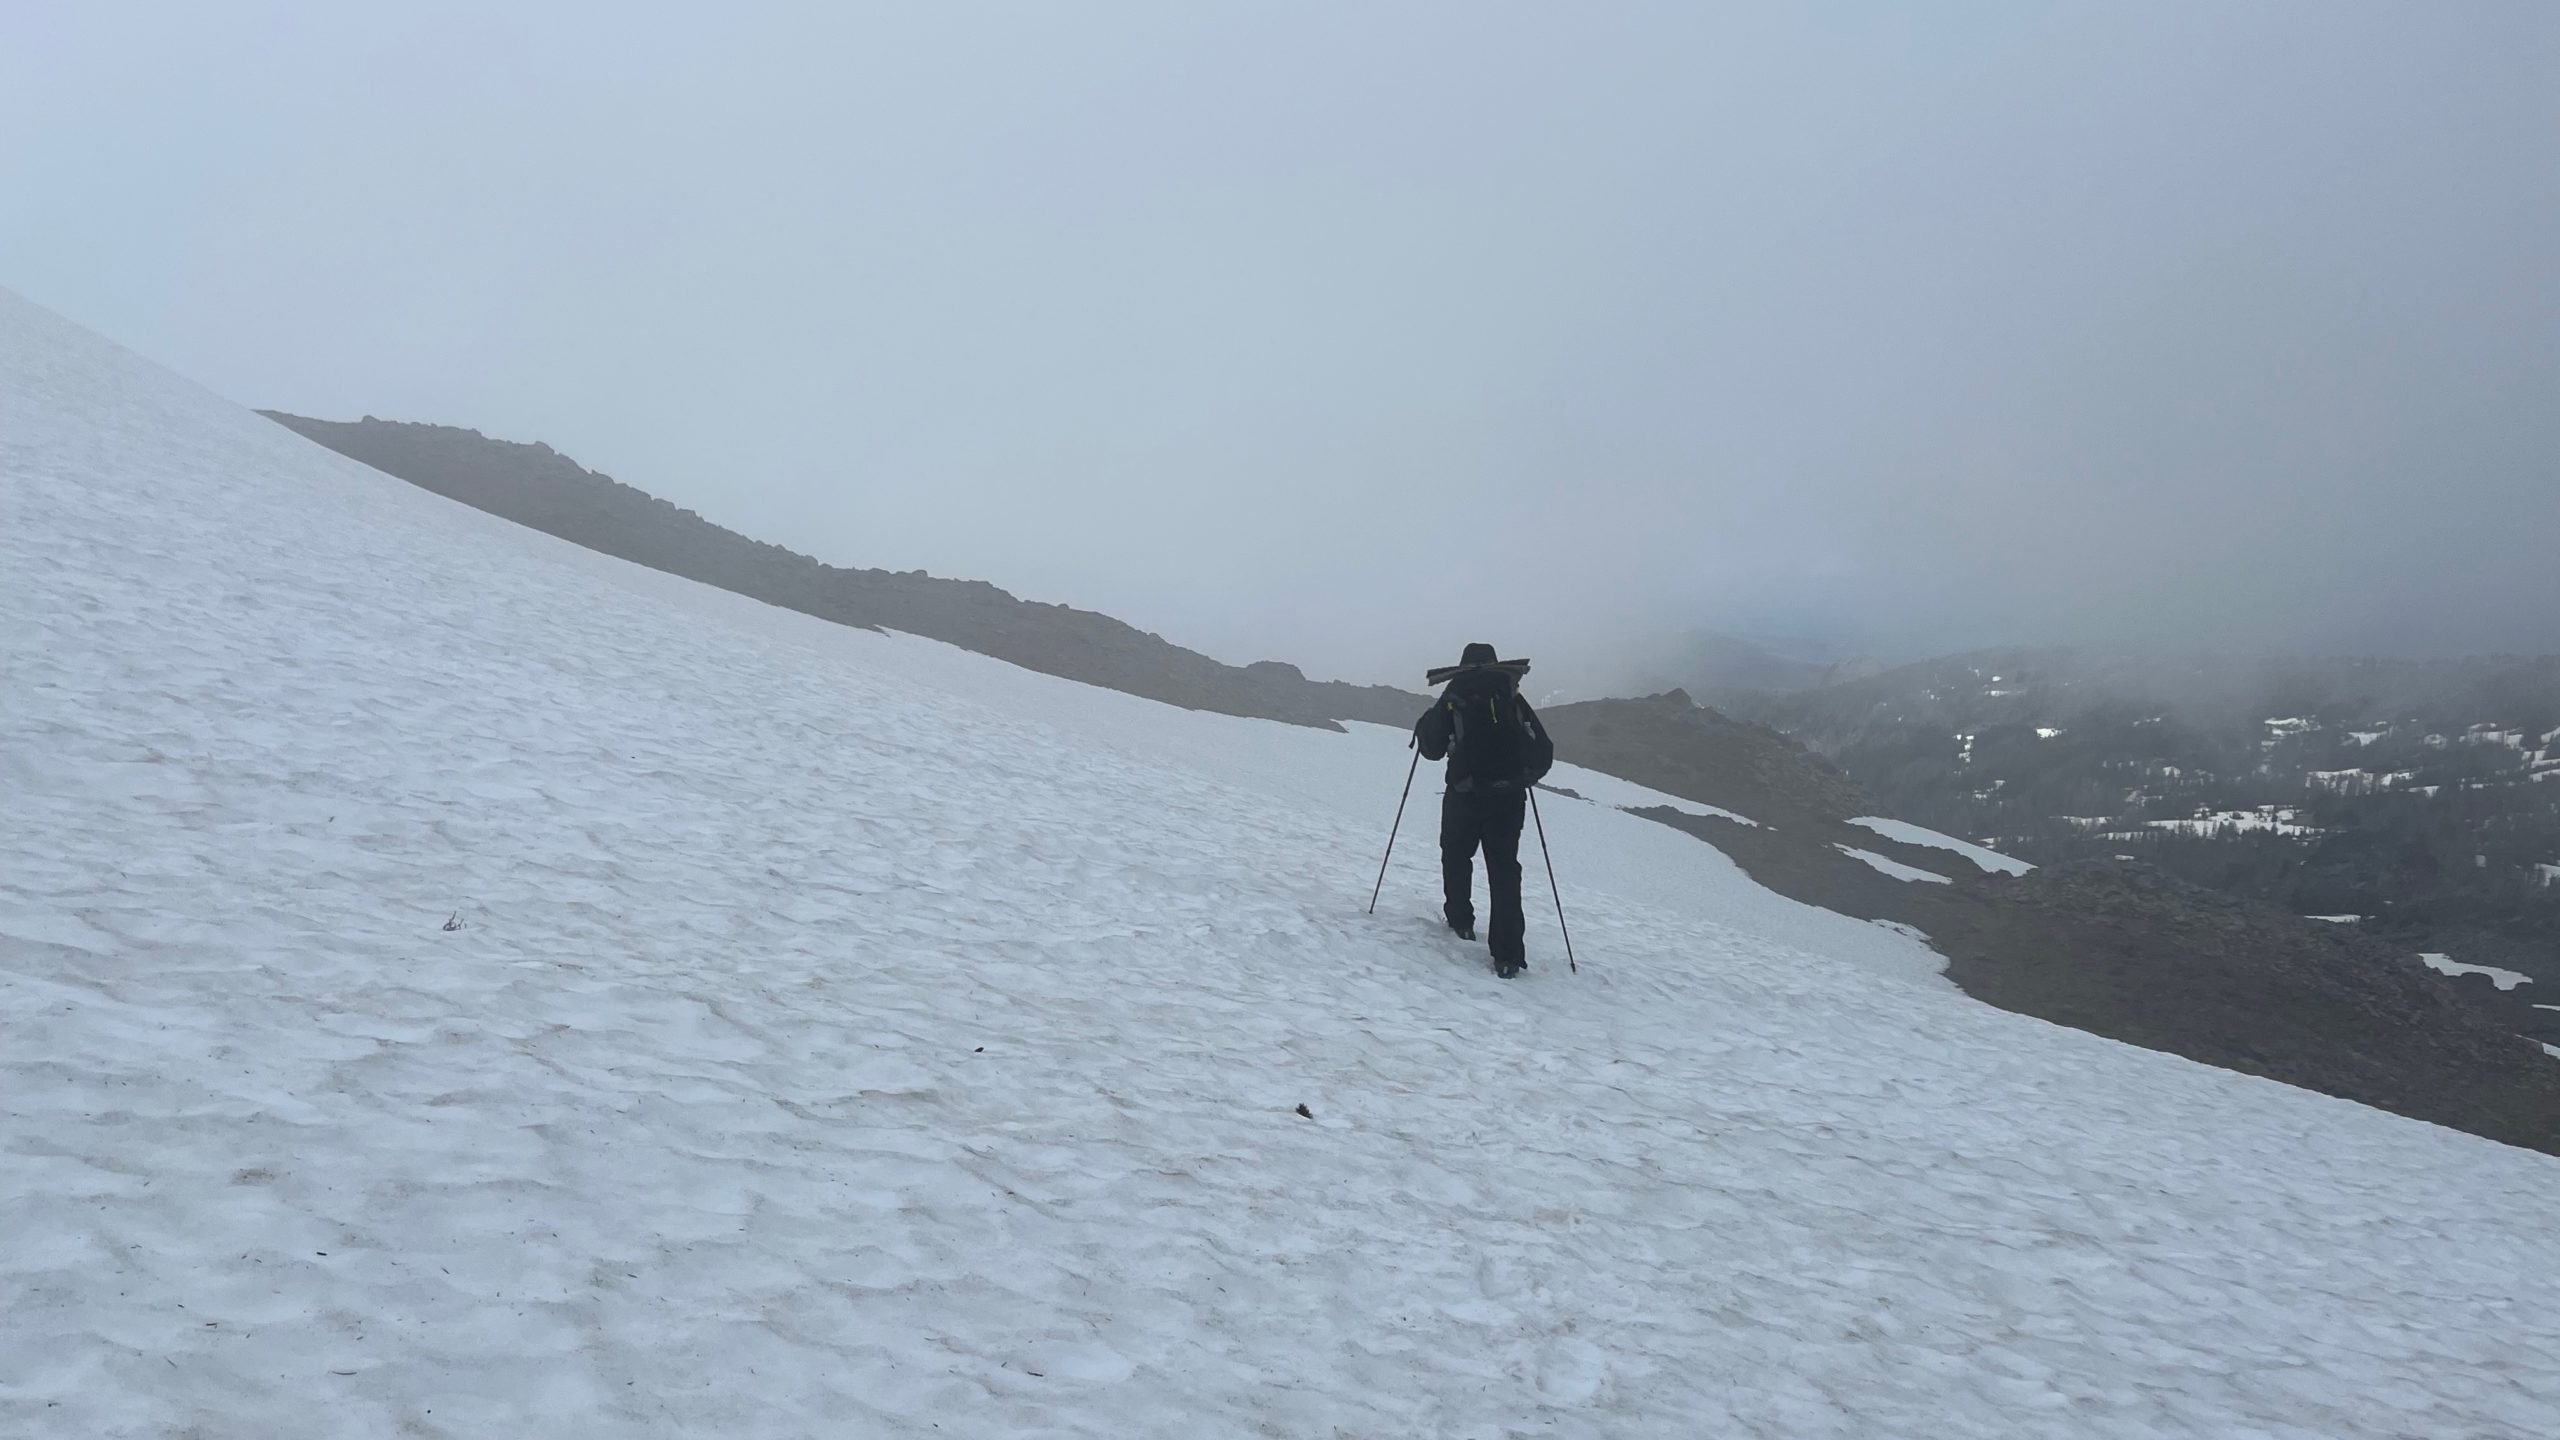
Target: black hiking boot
[
  {"x": 1507, "y": 969},
  {"x": 1464, "y": 930}
]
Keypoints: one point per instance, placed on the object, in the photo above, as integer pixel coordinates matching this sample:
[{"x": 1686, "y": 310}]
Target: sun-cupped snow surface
[
  {"x": 1894, "y": 868},
  {"x": 837, "y": 1033},
  {"x": 1910, "y": 834}
]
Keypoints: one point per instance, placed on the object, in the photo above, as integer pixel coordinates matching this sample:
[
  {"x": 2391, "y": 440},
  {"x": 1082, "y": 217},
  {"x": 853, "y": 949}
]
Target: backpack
[{"x": 1488, "y": 732}]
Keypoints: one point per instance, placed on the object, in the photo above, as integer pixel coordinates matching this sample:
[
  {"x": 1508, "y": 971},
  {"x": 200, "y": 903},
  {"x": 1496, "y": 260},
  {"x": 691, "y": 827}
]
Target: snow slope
[{"x": 846, "y": 1035}]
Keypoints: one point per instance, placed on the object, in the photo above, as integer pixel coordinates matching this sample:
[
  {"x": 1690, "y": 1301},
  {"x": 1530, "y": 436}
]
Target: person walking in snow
[{"x": 1496, "y": 751}]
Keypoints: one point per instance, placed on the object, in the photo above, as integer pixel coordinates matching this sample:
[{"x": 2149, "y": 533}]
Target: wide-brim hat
[{"x": 1446, "y": 673}]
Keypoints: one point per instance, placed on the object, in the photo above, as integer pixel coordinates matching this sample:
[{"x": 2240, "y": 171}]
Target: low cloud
[{"x": 1348, "y": 339}]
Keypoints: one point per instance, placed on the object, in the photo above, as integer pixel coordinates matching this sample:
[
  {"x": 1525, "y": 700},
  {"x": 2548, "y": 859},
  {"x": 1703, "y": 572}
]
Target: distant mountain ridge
[
  {"x": 2209, "y": 686},
  {"x": 1669, "y": 743},
  {"x": 536, "y": 486},
  {"x": 1717, "y": 667}
]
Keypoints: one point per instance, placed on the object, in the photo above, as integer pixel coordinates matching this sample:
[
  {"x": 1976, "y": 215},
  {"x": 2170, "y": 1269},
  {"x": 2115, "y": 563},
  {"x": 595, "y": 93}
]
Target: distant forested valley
[{"x": 2418, "y": 799}]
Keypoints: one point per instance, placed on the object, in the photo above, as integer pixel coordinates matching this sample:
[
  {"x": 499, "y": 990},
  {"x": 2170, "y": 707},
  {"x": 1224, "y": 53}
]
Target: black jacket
[{"x": 1488, "y": 732}]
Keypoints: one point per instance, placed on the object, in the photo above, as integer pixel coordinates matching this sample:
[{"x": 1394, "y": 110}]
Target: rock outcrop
[{"x": 1672, "y": 745}]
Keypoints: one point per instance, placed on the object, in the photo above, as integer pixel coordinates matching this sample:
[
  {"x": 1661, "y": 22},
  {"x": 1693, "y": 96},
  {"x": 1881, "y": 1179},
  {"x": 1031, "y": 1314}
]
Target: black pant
[{"x": 1490, "y": 819}]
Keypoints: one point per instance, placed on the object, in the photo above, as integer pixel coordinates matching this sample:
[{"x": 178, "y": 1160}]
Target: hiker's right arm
[{"x": 1431, "y": 732}]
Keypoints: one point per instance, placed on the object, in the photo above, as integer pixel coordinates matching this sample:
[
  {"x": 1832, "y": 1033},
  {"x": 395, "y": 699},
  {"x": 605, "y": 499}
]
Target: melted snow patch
[
  {"x": 1894, "y": 868},
  {"x": 1910, "y": 834},
  {"x": 2503, "y": 979}
]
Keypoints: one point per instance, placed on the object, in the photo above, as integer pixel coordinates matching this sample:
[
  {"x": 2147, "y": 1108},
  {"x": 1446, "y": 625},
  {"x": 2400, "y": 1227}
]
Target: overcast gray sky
[{"x": 1345, "y": 334}]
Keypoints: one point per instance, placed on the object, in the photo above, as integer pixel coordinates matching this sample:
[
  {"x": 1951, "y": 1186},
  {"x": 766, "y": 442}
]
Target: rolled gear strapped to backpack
[{"x": 1488, "y": 733}]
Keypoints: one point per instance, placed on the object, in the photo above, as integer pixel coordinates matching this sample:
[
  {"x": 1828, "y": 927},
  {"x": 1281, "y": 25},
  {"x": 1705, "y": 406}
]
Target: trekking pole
[
  {"x": 1391, "y": 831},
  {"x": 1551, "y": 879}
]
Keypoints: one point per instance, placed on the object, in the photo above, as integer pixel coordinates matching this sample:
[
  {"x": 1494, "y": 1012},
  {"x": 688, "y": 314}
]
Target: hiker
[{"x": 1496, "y": 750}]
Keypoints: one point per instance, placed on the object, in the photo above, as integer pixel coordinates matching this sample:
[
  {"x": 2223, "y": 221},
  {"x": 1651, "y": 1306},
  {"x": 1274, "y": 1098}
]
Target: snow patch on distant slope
[
  {"x": 2268, "y": 819},
  {"x": 1894, "y": 868},
  {"x": 1910, "y": 834},
  {"x": 1628, "y": 795},
  {"x": 2503, "y": 979}
]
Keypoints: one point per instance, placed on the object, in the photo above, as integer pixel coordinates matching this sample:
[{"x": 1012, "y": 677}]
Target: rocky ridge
[{"x": 536, "y": 486}]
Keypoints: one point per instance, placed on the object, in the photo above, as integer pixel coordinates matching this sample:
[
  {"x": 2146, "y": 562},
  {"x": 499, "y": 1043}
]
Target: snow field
[{"x": 847, "y": 1035}]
